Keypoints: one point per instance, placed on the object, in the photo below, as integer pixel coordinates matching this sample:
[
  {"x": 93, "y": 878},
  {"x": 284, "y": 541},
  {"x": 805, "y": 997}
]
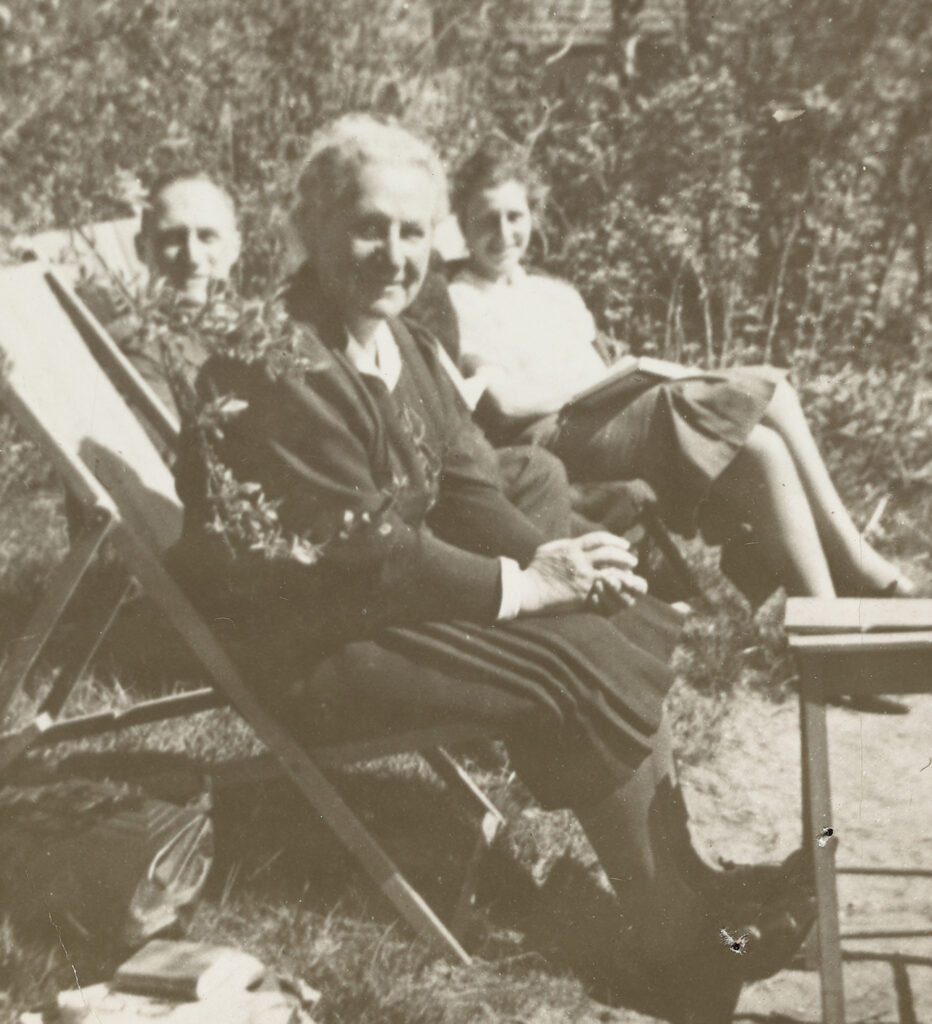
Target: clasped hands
[{"x": 594, "y": 572}]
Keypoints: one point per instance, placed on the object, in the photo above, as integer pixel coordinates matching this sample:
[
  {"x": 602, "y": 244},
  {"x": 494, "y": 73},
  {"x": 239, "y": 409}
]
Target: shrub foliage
[{"x": 762, "y": 190}]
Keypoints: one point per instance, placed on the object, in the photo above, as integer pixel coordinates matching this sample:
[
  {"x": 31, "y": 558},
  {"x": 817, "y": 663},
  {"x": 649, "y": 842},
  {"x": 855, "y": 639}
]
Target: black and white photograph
[{"x": 466, "y": 511}]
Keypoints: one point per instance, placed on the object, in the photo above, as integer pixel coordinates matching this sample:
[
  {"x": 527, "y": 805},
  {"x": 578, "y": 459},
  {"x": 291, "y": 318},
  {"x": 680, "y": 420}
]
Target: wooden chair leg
[
  {"x": 58, "y": 592},
  {"x": 14, "y": 745},
  {"x": 459, "y": 780},
  {"x": 107, "y": 608},
  {"x": 294, "y": 759},
  {"x": 661, "y": 537},
  {"x": 466, "y": 902},
  {"x": 817, "y": 814}
]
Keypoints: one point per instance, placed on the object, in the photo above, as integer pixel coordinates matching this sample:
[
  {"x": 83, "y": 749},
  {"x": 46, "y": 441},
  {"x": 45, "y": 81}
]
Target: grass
[{"x": 283, "y": 889}]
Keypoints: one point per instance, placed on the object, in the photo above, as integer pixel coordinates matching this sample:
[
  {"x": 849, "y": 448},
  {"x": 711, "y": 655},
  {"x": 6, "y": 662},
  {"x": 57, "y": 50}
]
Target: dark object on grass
[
  {"x": 187, "y": 970},
  {"x": 102, "y": 859}
]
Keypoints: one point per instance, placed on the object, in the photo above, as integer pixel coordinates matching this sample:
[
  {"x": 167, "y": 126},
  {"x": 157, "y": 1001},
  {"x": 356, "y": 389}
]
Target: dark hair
[{"x": 497, "y": 161}]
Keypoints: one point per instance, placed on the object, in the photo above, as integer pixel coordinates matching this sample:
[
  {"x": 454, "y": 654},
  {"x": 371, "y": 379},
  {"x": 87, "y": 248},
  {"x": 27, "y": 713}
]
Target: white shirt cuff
[{"x": 511, "y": 590}]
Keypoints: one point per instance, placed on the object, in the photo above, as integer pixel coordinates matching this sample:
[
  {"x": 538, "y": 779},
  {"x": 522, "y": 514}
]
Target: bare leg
[
  {"x": 762, "y": 487},
  {"x": 854, "y": 564}
]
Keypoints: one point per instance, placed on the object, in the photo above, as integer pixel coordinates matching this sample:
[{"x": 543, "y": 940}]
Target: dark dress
[
  {"x": 679, "y": 436},
  {"x": 381, "y": 614}
]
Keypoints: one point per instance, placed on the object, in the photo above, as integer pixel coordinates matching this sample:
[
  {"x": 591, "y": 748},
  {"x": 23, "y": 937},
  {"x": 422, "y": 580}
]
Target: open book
[{"x": 630, "y": 376}]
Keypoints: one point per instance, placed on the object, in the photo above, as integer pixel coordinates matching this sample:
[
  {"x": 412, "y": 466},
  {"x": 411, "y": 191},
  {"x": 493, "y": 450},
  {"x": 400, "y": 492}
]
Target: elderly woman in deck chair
[
  {"x": 189, "y": 240},
  {"x": 407, "y": 588}
]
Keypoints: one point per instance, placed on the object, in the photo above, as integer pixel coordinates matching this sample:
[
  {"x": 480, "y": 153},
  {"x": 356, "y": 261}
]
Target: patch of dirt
[{"x": 745, "y": 804}]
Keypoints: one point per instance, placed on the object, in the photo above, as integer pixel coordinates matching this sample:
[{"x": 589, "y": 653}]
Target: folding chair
[{"x": 56, "y": 386}]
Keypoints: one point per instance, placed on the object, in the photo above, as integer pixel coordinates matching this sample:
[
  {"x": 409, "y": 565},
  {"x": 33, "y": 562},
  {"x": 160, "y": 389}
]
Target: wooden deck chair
[
  {"x": 61, "y": 395},
  {"x": 107, "y": 247}
]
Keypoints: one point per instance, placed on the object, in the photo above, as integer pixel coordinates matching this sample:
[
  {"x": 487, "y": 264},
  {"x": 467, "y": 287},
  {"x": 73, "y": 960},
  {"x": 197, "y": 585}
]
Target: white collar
[
  {"x": 382, "y": 360},
  {"x": 515, "y": 279}
]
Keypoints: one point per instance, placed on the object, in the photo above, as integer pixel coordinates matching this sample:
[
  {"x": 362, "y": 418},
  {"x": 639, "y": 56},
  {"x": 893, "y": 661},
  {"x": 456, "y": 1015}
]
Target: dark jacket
[{"x": 390, "y": 503}]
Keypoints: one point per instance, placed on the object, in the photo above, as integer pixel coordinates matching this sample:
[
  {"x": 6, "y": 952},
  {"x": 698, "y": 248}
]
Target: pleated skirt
[{"x": 577, "y": 698}]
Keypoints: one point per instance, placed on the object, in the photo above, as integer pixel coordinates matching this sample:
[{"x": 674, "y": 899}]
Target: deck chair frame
[{"x": 104, "y": 520}]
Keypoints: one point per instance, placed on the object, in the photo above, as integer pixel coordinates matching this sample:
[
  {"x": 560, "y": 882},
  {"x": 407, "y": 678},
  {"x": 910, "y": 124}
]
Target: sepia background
[{"x": 732, "y": 181}]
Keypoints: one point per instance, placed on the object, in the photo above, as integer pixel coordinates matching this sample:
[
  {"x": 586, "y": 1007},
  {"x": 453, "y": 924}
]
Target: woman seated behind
[
  {"x": 733, "y": 442},
  {"x": 403, "y": 589}
]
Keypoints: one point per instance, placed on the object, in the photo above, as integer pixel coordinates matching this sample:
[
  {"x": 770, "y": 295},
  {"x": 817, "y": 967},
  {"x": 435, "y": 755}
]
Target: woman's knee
[
  {"x": 785, "y": 407},
  {"x": 763, "y": 467},
  {"x": 767, "y": 450}
]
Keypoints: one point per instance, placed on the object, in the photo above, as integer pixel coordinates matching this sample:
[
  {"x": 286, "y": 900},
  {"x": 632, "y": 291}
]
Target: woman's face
[
  {"x": 371, "y": 251},
  {"x": 497, "y": 228}
]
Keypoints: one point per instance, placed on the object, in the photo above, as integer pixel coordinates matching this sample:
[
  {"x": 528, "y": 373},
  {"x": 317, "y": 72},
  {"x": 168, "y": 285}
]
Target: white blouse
[{"x": 533, "y": 327}]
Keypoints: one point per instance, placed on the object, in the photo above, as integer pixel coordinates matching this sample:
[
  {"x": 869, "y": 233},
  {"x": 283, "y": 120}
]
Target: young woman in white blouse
[{"x": 734, "y": 442}]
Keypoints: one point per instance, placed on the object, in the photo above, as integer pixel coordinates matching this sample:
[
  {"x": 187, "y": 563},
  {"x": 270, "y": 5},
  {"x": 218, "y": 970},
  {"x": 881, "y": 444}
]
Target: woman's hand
[{"x": 593, "y": 572}]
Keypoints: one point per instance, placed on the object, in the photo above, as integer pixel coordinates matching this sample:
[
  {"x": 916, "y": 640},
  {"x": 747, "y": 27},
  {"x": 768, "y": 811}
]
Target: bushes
[
  {"x": 750, "y": 198},
  {"x": 111, "y": 91},
  {"x": 876, "y": 426},
  {"x": 760, "y": 197}
]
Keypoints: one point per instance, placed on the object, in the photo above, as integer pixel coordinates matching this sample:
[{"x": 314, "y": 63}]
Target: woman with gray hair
[{"x": 411, "y": 592}]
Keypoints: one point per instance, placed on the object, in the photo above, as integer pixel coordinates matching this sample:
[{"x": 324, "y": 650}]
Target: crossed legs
[
  {"x": 856, "y": 566},
  {"x": 779, "y": 484}
]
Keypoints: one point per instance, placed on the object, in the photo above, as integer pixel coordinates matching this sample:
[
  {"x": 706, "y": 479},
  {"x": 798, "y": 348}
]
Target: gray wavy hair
[{"x": 339, "y": 150}]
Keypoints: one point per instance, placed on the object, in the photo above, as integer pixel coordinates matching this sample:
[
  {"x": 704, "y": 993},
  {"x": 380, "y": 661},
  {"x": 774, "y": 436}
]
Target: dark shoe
[
  {"x": 700, "y": 981},
  {"x": 755, "y": 885},
  {"x": 711, "y": 1000},
  {"x": 695, "y": 988},
  {"x": 768, "y": 943}
]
